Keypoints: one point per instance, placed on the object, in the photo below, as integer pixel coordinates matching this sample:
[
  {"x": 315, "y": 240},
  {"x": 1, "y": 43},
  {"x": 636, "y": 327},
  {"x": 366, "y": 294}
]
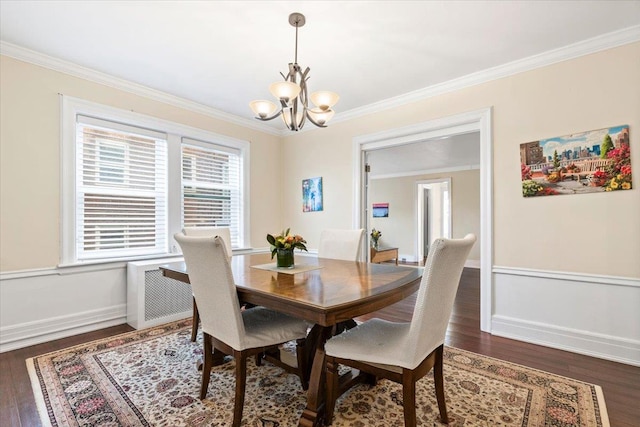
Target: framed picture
[
  {"x": 380, "y": 210},
  {"x": 586, "y": 162},
  {"x": 312, "y": 194}
]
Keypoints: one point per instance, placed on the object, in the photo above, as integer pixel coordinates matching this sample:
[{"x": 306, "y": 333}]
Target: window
[
  {"x": 211, "y": 186},
  {"x": 131, "y": 181}
]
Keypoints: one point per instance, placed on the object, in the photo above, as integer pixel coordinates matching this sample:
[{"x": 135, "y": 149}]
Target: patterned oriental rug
[{"x": 149, "y": 378}]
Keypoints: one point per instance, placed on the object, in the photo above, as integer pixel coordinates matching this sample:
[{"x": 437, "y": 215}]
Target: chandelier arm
[{"x": 266, "y": 119}]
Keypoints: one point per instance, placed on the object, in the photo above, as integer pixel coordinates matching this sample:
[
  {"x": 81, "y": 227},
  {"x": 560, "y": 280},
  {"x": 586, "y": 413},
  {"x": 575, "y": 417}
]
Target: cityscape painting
[
  {"x": 312, "y": 194},
  {"x": 586, "y": 162}
]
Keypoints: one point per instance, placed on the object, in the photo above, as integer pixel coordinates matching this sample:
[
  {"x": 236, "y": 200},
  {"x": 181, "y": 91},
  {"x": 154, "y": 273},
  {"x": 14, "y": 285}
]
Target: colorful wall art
[
  {"x": 380, "y": 210},
  {"x": 312, "y": 194},
  {"x": 586, "y": 162}
]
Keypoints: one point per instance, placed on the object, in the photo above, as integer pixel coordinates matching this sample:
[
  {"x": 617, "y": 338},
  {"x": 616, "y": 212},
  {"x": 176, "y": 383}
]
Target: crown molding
[
  {"x": 585, "y": 47},
  {"x": 55, "y": 64}
]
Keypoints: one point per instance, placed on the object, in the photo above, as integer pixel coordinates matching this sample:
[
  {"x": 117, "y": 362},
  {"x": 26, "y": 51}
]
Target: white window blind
[
  {"x": 121, "y": 190},
  {"x": 211, "y": 186}
]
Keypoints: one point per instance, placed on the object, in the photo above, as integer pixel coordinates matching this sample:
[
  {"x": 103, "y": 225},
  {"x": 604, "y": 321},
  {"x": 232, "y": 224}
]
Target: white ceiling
[{"x": 223, "y": 54}]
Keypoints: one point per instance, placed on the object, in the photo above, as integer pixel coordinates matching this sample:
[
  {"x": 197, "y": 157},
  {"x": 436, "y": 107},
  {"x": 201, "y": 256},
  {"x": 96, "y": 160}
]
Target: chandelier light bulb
[
  {"x": 324, "y": 99},
  {"x": 321, "y": 117},
  {"x": 285, "y": 91},
  {"x": 262, "y": 108},
  {"x": 286, "y": 116}
]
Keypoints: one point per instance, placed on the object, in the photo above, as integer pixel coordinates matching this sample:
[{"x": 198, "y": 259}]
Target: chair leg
[
  {"x": 409, "y": 398},
  {"x": 241, "y": 377},
  {"x": 332, "y": 388},
  {"x": 195, "y": 321},
  {"x": 439, "y": 384},
  {"x": 208, "y": 364},
  {"x": 302, "y": 363}
]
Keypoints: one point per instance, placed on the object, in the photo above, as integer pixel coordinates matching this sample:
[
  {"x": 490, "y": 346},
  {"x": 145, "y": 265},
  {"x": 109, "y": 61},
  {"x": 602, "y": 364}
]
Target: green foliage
[
  {"x": 556, "y": 159},
  {"x": 285, "y": 241},
  {"x": 530, "y": 188},
  {"x": 607, "y": 145}
]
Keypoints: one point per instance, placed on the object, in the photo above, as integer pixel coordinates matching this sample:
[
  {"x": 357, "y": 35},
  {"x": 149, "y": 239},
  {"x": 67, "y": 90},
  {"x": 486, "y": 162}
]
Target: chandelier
[{"x": 292, "y": 95}]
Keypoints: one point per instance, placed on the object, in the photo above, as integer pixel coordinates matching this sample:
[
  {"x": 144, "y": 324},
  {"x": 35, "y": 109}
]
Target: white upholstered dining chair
[
  {"x": 405, "y": 352},
  {"x": 341, "y": 244},
  {"x": 225, "y": 327},
  {"x": 225, "y": 234}
]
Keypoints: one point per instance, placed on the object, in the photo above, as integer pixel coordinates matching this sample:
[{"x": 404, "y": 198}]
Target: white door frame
[
  {"x": 421, "y": 185},
  {"x": 472, "y": 121}
]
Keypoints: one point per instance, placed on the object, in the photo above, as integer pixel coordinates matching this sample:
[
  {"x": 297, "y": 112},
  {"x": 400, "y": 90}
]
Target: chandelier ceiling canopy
[{"x": 292, "y": 95}]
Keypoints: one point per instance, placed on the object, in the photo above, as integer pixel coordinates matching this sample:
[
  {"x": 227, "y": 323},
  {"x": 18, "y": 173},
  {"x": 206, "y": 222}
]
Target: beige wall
[
  {"x": 30, "y": 159},
  {"x": 400, "y": 228},
  {"x": 591, "y": 233}
]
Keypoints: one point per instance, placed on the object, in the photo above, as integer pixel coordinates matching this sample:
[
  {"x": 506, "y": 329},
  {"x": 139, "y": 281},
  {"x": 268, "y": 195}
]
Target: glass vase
[{"x": 284, "y": 258}]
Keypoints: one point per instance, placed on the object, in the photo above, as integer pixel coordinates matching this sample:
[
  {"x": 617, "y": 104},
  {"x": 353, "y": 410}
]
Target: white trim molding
[
  {"x": 582, "y": 48},
  {"x": 36, "y": 332},
  {"x": 589, "y": 314},
  {"x": 575, "y": 277},
  {"x": 52, "y": 63}
]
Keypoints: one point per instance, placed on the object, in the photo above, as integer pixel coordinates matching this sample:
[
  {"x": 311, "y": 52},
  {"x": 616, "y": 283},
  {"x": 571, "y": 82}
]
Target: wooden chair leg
[
  {"x": 439, "y": 384},
  {"x": 301, "y": 357},
  {"x": 332, "y": 388},
  {"x": 208, "y": 364},
  {"x": 241, "y": 377},
  {"x": 195, "y": 321},
  {"x": 409, "y": 398}
]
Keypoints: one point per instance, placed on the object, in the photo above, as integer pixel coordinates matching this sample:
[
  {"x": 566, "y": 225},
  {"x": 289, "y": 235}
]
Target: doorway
[
  {"x": 433, "y": 204},
  {"x": 473, "y": 121}
]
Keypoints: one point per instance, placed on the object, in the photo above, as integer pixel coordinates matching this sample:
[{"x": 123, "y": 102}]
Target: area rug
[{"x": 149, "y": 378}]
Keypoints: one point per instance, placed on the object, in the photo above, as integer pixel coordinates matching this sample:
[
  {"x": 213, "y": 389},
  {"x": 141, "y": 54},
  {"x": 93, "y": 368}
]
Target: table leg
[{"x": 313, "y": 414}]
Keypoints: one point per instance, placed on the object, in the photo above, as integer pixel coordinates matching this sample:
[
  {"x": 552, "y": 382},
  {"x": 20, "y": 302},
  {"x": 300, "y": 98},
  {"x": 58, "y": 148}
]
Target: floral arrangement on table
[
  {"x": 283, "y": 245},
  {"x": 375, "y": 236}
]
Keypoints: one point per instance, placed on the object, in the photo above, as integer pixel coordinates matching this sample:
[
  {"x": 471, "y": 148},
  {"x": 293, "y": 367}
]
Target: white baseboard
[
  {"x": 31, "y": 333},
  {"x": 596, "y": 345}
]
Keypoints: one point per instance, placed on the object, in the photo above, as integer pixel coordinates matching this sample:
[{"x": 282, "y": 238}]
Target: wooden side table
[{"x": 384, "y": 254}]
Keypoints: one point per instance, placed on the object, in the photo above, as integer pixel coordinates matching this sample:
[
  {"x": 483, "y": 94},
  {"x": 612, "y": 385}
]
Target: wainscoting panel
[
  {"x": 587, "y": 314},
  {"x": 56, "y": 303}
]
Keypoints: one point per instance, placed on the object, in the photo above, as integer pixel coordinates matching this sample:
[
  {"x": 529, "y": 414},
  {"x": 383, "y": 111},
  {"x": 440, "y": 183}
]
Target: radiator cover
[{"x": 153, "y": 299}]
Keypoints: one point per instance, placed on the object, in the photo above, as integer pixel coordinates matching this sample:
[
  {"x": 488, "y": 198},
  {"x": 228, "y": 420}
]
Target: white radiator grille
[
  {"x": 153, "y": 299},
  {"x": 164, "y": 296}
]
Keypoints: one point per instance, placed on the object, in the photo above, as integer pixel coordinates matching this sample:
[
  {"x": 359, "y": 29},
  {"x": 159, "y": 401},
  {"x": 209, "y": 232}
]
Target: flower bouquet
[
  {"x": 283, "y": 245},
  {"x": 375, "y": 236}
]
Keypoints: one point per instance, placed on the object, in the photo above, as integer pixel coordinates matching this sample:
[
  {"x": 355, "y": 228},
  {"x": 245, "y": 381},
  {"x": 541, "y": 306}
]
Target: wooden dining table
[{"x": 324, "y": 292}]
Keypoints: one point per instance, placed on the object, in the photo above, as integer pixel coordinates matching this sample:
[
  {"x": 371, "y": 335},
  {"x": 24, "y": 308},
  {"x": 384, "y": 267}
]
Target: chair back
[
  {"x": 340, "y": 244},
  {"x": 213, "y": 287},
  {"x": 436, "y": 295},
  {"x": 223, "y": 232}
]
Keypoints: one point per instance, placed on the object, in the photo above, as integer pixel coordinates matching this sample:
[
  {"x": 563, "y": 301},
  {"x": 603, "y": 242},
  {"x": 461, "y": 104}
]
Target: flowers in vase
[
  {"x": 375, "y": 236},
  {"x": 285, "y": 241}
]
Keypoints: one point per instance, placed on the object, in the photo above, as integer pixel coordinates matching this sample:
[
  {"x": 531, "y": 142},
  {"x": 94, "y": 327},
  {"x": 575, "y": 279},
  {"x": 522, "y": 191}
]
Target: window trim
[{"x": 71, "y": 107}]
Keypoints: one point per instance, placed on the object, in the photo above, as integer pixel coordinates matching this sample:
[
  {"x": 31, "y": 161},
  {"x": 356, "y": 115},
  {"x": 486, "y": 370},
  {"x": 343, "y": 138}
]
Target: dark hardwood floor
[{"x": 620, "y": 383}]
